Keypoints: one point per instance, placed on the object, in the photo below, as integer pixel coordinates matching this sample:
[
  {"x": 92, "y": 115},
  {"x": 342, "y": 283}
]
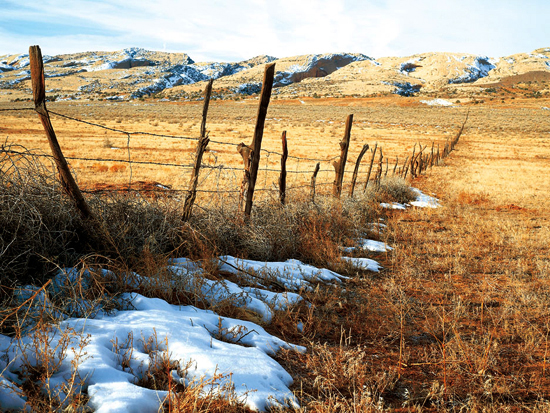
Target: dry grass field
[
  {"x": 458, "y": 320},
  {"x": 314, "y": 128}
]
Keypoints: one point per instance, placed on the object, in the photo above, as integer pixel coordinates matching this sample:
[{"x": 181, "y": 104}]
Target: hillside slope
[{"x": 134, "y": 73}]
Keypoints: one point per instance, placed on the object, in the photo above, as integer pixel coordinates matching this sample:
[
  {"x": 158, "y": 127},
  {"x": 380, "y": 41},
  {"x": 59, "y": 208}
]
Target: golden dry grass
[{"x": 458, "y": 320}]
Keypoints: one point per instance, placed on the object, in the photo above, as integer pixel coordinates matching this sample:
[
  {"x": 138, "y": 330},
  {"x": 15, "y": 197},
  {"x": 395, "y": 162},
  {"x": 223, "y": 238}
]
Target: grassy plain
[{"x": 459, "y": 317}]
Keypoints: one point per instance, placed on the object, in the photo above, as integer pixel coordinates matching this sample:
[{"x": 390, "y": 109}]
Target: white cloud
[{"x": 221, "y": 30}]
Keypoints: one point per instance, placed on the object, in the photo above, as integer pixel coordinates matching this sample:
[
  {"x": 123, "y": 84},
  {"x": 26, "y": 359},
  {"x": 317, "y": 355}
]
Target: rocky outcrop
[{"x": 316, "y": 66}]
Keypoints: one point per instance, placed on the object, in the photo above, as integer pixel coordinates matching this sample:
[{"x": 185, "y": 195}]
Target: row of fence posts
[{"x": 414, "y": 165}]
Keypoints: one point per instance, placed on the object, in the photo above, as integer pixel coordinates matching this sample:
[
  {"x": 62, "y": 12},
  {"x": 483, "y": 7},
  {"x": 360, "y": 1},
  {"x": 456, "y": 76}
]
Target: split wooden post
[
  {"x": 282, "y": 177},
  {"x": 340, "y": 166},
  {"x": 265, "y": 96},
  {"x": 39, "y": 95},
  {"x": 356, "y": 169},
  {"x": 201, "y": 147},
  {"x": 313, "y": 180},
  {"x": 396, "y": 163},
  {"x": 370, "y": 167}
]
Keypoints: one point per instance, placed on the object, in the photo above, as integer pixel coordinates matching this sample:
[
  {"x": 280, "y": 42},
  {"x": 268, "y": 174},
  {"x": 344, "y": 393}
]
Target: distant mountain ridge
[{"x": 135, "y": 72}]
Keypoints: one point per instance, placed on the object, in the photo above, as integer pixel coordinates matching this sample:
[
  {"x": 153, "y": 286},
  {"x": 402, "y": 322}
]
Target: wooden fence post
[
  {"x": 370, "y": 167},
  {"x": 265, "y": 96},
  {"x": 356, "y": 169},
  {"x": 378, "y": 175},
  {"x": 313, "y": 179},
  {"x": 39, "y": 95},
  {"x": 340, "y": 166},
  {"x": 282, "y": 178},
  {"x": 201, "y": 147}
]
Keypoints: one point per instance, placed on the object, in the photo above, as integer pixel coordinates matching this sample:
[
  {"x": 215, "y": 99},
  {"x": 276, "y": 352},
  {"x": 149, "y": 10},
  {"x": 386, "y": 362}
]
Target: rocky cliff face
[{"x": 134, "y": 73}]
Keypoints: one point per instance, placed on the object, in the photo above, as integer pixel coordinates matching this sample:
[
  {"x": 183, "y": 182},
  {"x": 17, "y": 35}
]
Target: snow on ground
[
  {"x": 423, "y": 200},
  {"x": 393, "y": 205},
  {"x": 368, "y": 245},
  {"x": 122, "y": 344},
  {"x": 437, "y": 102},
  {"x": 292, "y": 274},
  {"x": 239, "y": 350},
  {"x": 212, "y": 345},
  {"x": 363, "y": 263}
]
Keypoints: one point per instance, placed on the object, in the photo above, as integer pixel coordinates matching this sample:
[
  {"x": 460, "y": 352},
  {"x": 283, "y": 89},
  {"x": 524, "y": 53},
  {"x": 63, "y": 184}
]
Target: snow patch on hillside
[{"x": 481, "y": 68}]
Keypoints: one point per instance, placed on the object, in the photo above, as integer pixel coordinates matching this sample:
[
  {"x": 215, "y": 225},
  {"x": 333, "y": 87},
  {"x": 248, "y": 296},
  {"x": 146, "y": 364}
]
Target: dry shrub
[
  {"x": 42, "y": 360},
  {"x": 38, "y": 225},
  {"x": 394, "y": 189}
]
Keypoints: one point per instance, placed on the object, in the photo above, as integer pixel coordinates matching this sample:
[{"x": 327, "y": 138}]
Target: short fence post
[
  {"x": 39, "y": 95},
  {"x": 340, "y": 166},
  {"x": 282, "y": 178},
  {"x": 370, "y": 167},
  {"x": 265, "y": 96},
  {"x": 356, "y": 169},
  {"x": 201, "y": 147},
  {"x": 313, "y": 179}
]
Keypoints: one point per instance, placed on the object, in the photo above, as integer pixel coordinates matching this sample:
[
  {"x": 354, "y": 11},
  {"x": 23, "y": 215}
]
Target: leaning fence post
[
  {"x": 370, "y": 167},
  {"x": 39, "y": 95},
  {"x": 201, "y": 147},
  {"x": 282, "y": 178},
  {"x": 356, "y": 169},
  {"x": 340, "y": 166},
  {"x": 265, "y": 96},
  {"x": 313, "y": 179}
]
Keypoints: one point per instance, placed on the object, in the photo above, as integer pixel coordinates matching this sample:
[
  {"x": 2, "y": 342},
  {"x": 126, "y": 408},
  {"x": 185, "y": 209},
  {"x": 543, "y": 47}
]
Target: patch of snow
[
  {"x": 424, "y": 201},
  {"x": 6, "y": 68},
  {"x": 364, "y": 263},
  {"x": 249, "y": 88},
  {"x": 393, "y": 205},
  {"x": 293, "y": 274},
  {"x": 481, "y": 68},
  {"x": 369, "y": 245},
  {"x": 405, "y": 88},
  {"x": 539, "y": 56},
  {"x": 184, "y": 333},
  {"x": 544, "y": 108},
  {"x": 437, "y": 102}
]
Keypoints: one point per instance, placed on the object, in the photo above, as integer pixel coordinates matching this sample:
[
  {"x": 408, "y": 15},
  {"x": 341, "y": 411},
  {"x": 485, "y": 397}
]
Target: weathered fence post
[
  {"x": 245, "y": 152},
  {"x": 265, "y": 96},
  {"x": 396, "y": 163},
  {"x": 201, "y": 147},
  {"x": 340, "y": 166},
  {"x": 370, "y": 167},
  {"x": 378, "y": 175},
  {"x": 282, "y": 178},
  {"x": 356, "y": 169},
  {"x": 39, "y": 95},
  {"x": 313, "y": 179}
]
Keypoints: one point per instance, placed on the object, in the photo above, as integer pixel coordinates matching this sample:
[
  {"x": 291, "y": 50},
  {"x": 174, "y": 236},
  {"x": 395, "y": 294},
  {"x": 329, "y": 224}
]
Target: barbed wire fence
[{"x": 230, "y": 180}]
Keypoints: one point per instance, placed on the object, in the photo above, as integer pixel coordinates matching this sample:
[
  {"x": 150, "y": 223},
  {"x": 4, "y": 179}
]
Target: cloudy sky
[{"x": 232, "y": 30}]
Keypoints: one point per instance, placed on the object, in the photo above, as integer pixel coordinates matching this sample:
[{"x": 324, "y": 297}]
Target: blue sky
[{"x": 226, "y": 30}]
